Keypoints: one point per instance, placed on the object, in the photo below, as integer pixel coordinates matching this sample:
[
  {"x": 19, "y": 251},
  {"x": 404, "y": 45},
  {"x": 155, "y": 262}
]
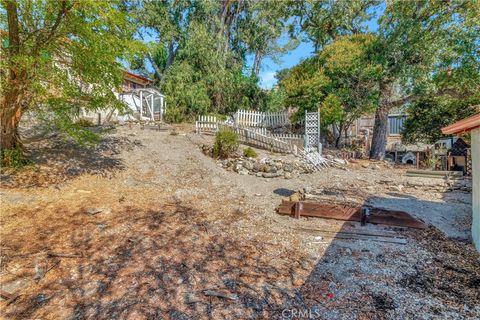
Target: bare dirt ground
[{"x": 144, "y": 226}]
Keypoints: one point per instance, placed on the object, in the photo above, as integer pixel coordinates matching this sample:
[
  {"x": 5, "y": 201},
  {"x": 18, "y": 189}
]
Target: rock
[
  {"x": 270, "y": 174},
  {"x": 398, "y": 188},
  {"x": 191, "y": 298},
  {"x": 340, "y": 161},
  {"x": 230, "y": 296},
  {"x": 365, "y": 165},
  {"x": 265, "y": 168},
  {"x": 248, "y": 165},
  {"x": 288, "y": 167},
  {"x": 257, "y": 166},
  {"x": 259, "y": 174},
  {"x": 287, "y": 175},
  {"x": 272, "y": 169},
  {"x": 238, "y": 167},
  {"x": 295, "y": 197},
  {"x": 243, "y": 172},
  {"x": 93, "y": 211}
]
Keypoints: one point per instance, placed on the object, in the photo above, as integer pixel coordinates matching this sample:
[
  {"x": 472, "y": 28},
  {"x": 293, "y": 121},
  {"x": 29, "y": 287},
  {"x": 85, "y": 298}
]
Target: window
[{"x": 395, "y": 124}]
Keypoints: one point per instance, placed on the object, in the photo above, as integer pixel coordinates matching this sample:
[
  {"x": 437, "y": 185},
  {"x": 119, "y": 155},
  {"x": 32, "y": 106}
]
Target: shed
[
  {"x": 457, "y": 156},
  {"x": 472, "y": 125}
]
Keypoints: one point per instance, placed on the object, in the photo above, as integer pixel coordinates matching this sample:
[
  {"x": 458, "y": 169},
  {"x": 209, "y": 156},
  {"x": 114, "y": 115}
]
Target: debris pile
[
  {"x": 308, "y": 161},
  {"x": 266, "y": 167}
]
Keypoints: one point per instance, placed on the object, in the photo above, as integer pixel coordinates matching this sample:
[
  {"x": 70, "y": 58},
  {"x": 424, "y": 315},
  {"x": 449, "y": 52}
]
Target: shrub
[
  {"x": 249, "y": 153},
  {"x": 226, "y": 143},
  {"x": 14, "y": 158},
  {"x": 85, "y": 123}
]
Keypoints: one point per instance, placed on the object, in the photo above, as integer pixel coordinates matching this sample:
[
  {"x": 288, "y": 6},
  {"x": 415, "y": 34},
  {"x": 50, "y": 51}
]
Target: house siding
[{"x": 476, "y": 188}]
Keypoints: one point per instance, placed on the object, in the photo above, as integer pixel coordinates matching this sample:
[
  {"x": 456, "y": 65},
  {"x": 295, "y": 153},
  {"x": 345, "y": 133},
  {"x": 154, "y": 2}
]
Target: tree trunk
[
  {"x": 257, "y": 61},
  {"x": 379, "y": 136},
  {"x": 338, "y": 140},
  {"x": 10, "y": 114},
  {"x": 11, "y": 102}
]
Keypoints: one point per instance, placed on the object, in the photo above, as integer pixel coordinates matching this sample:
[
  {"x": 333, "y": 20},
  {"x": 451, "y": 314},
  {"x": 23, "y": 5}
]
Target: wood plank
[{"x": 352, "y": 213}]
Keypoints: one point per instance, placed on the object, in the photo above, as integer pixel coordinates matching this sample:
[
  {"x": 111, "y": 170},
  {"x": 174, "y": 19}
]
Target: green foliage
[
  {"x": 427, "y": 116},
  {"x": 199, "y": 55},
  {"x": 86, "y": 123},
  {"x": 340, "y": 80},
  {"x": 226, "y": 143},
  {"x": 67, "y": 58},
  {"x": 13, "y": 158},
  {"x": 275, "y": 100},
  {"x": 249, "y": 153},
  {"x": 324, "y": 21}
]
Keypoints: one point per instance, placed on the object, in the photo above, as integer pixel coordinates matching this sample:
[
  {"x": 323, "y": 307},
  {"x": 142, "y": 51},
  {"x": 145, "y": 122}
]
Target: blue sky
[
  {"x": 304, "y": 50},
  {"x": 270, "y": 68}
]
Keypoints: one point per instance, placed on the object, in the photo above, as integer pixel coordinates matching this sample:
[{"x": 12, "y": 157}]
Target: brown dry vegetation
[{"x": 175, "y": 236}]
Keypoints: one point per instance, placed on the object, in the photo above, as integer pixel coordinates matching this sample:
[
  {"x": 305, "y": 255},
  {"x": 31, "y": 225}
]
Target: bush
[
  {"x": 249, "y": 153},
  {"x": 85, "y": 123},
  {"x": 226, "y": 143},
  {"x": 13, "y": 158}
]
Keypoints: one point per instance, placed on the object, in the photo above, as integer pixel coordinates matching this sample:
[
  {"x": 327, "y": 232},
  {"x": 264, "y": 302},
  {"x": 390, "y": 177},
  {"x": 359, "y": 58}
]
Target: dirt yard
[{"x": 145, "y": 226}]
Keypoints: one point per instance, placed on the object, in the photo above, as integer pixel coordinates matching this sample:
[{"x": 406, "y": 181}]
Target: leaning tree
[
  {"x": 416, "y": 41},
  {"x": 58, "y": 57}
]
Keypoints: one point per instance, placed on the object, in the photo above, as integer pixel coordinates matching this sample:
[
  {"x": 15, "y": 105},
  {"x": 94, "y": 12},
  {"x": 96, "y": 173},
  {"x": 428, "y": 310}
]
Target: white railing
[
  {"x": 259, "y": 140},
  {"x": 288, "y": 136},
  {"x": 206, "y": 124},
  {"x": 244, "y": 118}
]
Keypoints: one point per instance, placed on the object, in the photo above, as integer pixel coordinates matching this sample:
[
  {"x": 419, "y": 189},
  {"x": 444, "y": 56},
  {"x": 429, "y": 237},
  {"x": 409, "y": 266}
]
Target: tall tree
[
  {"x": 416, "y": 40},
  {"x": 324, "y": 20},
  {"x": 340, "y": 81},
  {"x": 57, "y": 57},
  {"x": 198, "y": 50}
]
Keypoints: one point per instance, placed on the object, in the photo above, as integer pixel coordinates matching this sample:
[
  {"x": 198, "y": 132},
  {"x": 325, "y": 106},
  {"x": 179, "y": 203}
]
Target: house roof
[
  {"x": 138, "y": 78},
  {"x": 463, "y": 126}
]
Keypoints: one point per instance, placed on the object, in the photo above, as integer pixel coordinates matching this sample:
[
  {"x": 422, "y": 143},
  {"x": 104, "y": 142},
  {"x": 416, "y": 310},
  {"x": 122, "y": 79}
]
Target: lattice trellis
[{"x": 312, "y": 130}]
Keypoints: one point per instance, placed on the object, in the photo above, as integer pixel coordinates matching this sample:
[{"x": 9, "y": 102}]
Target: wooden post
[
  {"x": 298, "y": 208},
  {"x": 141, "y": 105},
  {"x": 152, "y": 109},
  {"x": 418, "y": 160}
]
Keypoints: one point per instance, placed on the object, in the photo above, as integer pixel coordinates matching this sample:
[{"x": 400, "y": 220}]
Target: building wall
[{"x": 476, "y": 187}]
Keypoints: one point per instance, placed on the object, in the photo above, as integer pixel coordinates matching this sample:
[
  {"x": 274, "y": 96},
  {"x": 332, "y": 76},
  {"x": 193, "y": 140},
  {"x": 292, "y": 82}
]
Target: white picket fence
[
  {"x": 288, "y": 136},
  {"x": 256, "y": 136},
  {"x": 245, "y": 118},
  {"x": 206, "y": 124},
  {"x": 259, "y": 140}
]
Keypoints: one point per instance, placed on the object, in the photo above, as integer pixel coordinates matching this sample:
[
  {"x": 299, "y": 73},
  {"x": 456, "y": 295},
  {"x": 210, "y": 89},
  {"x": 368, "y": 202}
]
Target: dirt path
[{"x": 158, "y": 230}]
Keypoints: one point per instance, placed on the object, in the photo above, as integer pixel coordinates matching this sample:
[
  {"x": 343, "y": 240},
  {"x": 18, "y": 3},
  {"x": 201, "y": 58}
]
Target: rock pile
[{"x": 266, "y": 167}]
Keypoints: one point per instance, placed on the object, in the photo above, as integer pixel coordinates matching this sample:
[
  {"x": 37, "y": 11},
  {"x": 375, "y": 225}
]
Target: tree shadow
[
  {"x": 431, "y": 275},
  {"x": 57, "y": 160},
  {"x": 177, "y": 263},
  {"x": 284, "y": 192}
]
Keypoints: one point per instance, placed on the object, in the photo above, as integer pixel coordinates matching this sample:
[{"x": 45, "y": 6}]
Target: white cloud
[{"x": 267, "y": 79}]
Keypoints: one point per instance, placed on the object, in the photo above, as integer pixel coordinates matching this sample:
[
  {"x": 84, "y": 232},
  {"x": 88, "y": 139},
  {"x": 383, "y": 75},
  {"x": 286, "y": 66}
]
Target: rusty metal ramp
[{"x": 350, "y": 212}]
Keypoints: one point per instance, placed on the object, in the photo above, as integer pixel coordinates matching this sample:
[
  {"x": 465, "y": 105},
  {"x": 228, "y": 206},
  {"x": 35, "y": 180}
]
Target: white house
[{"x": 472, "y": 125}]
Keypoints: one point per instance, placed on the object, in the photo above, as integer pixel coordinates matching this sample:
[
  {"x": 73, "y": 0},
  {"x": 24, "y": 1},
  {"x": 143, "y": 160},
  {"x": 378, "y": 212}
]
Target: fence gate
[{"x": 312, "y": 131}]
